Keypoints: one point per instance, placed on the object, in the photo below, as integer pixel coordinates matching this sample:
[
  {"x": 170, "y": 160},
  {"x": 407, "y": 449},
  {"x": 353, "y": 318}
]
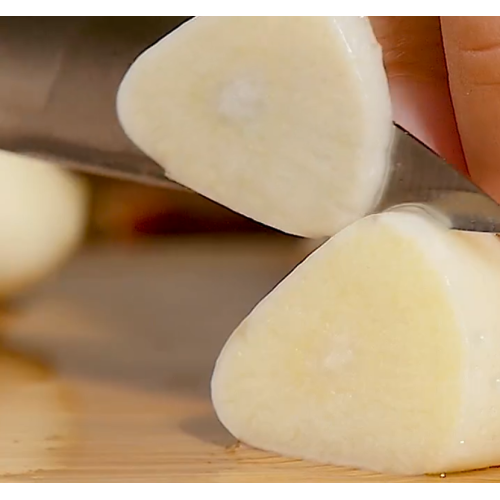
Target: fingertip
[
  {"x": 416, "y": 69},
  {"x": 472, "y": 47}
]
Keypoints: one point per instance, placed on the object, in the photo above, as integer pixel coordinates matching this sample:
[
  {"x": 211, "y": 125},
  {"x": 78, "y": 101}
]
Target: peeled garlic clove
[
  {"x": 43, "y": 216},
  {"x": 381, "y": 351},
  {"x": 286, "y": 120}
]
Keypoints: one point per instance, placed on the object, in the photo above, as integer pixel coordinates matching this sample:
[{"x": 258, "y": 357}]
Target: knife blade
[{"x": 58, "y": 84}]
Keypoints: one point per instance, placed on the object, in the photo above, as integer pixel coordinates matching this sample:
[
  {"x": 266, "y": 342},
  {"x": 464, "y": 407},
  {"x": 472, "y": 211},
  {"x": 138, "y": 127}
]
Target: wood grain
[{"x": 133, "y": 332}]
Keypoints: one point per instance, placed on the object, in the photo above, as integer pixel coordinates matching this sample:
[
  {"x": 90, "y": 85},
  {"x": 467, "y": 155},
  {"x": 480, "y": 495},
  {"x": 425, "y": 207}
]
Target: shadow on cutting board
[
  {"x": 153, "y": 316},
  {"x": 208, "y": 429}
]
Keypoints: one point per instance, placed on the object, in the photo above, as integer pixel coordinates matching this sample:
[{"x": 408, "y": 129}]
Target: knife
[{"x": 58, "y": 83}]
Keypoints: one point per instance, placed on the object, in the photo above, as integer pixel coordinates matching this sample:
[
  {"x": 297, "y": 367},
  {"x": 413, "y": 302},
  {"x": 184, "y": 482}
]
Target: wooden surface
[{"x": 133, "y": 332}]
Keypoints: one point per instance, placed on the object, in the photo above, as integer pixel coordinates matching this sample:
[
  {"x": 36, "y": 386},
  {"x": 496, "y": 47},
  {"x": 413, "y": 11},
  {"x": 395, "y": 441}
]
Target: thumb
[{"x": 472, "y": 47}]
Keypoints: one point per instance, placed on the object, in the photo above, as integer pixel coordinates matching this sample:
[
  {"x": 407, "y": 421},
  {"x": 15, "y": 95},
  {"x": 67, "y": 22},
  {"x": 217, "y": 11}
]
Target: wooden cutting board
[{"x": 133, "y": 333}]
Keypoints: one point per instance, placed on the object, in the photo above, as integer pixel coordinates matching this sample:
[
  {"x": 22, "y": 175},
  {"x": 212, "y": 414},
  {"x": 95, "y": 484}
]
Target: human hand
[{"x": 444, "y": 75}]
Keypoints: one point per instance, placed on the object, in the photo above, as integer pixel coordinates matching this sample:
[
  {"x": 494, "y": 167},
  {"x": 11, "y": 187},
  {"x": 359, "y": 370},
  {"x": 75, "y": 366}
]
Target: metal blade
[
  {"x": 122, "y": 166},
  {"x": 420, "y": 177},
  {"x": 58, "y": 82}
]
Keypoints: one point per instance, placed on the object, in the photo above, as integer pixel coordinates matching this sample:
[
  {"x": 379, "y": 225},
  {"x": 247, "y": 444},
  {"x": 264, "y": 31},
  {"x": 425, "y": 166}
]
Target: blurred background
[
  {"x": 126, "y": 211},
  {"x": 128, "y": 292}
]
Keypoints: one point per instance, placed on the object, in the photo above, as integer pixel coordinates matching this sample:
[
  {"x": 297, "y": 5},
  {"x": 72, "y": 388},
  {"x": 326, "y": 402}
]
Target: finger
[
  {"x": 472, "y": 46},
  {"x": 416, "y": 68}
]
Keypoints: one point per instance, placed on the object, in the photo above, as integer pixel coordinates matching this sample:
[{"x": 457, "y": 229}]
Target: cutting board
[{"x": 132, "y": 332}]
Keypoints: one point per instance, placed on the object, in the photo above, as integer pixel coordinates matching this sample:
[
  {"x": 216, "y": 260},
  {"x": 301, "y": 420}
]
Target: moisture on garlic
[{"x": 380, "y": 351}]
